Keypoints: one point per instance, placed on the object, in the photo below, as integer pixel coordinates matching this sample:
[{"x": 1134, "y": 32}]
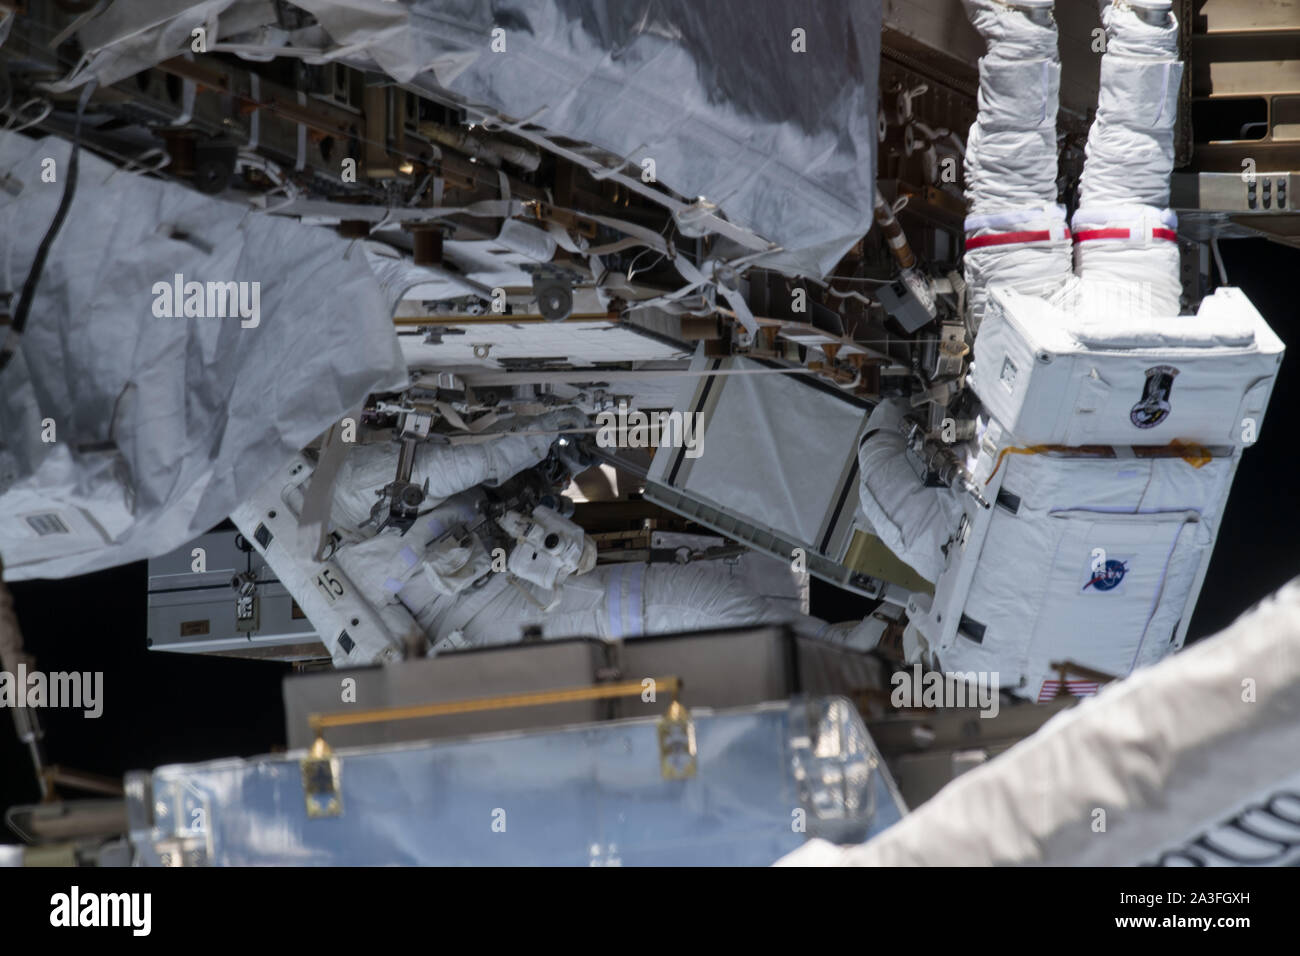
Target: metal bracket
[
  {"x": 321, "y": 768},
  {"x": 322, "y": 781},
  {"x": 248, "y": 611},
  {"x": 677, "y": 754}
]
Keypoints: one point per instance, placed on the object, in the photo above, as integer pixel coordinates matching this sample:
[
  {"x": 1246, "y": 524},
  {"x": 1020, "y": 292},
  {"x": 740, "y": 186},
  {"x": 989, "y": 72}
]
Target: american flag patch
[{"x": 1051, "y": 689}]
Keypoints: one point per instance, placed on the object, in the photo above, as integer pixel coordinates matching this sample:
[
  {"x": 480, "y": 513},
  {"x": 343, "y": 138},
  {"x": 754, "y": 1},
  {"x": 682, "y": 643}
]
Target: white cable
[{"x": 851, "y": 295}]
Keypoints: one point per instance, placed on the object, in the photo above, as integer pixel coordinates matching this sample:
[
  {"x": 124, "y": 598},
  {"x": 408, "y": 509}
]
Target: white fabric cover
[
  {"x": 1211, "y": 327},
  {"x": 1047, "y": 384},
  {"x": 784, "y": 141},
  {"x": 1157, "y": 516},
  {"x": 1168, "y": 754},
  {"x": 125, "y": 38},
  {"x": 201, "y": 410},
  {"x": 705, "y": 90}
]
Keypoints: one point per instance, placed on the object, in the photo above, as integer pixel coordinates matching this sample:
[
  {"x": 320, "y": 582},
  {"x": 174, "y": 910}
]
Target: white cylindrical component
[
  {"x": 1015, "y": 234},
  {"x": 1126, "y": 237}
]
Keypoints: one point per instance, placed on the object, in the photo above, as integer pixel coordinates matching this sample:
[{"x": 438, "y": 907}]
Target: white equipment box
[
  {"x": 1109, "y": 462},
  {"x": 1203, "y": 378}
]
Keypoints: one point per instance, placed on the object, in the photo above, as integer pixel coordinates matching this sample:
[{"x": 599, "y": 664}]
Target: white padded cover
[
  {"x": 1050, "y": 384},
  {"x": 1148, "y": 523}
]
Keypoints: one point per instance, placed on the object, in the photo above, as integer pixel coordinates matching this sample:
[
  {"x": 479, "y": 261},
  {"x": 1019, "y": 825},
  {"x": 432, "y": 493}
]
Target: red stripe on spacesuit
[
  {"x": 1008, "y": 238},
  {"x": 1122, "y": 234}
]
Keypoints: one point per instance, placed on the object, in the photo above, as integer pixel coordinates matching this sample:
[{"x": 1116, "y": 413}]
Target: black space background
[{"x": 167, "y": 708}]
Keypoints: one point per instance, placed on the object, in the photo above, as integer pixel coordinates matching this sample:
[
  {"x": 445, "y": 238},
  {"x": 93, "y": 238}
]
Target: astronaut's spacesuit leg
[
  {"x": 1125, "y": 236},
  {"x": 1015, "y": 231}
]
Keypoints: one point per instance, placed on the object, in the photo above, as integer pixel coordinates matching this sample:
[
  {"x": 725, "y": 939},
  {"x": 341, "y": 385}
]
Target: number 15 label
[{"x": 329, "y": 585}]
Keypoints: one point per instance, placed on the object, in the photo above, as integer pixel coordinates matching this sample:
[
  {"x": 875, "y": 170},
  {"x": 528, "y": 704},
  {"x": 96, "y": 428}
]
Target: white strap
[
  {"x": 1015, "y": 217},
  {"x": 697, "y": 277},
  {"x": 313, "y": 517},
  {"x": 1088, "y": 217}
]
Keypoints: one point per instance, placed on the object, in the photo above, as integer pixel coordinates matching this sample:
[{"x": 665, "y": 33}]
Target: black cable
[{"x": 38, "y": 264}]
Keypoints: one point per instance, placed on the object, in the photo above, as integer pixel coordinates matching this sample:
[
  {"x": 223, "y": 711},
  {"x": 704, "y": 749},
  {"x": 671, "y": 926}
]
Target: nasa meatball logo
[
  {"x": 1153, "y": 407},
  {"x": 1109, "y": 577}
]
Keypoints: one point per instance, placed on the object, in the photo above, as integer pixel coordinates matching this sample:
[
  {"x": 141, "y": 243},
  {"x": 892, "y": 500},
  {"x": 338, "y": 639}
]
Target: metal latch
[
  {"x": 247, "y": 605},
  {"x": 677, "y": 756},
  {"x": 321, "y": 781}
]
